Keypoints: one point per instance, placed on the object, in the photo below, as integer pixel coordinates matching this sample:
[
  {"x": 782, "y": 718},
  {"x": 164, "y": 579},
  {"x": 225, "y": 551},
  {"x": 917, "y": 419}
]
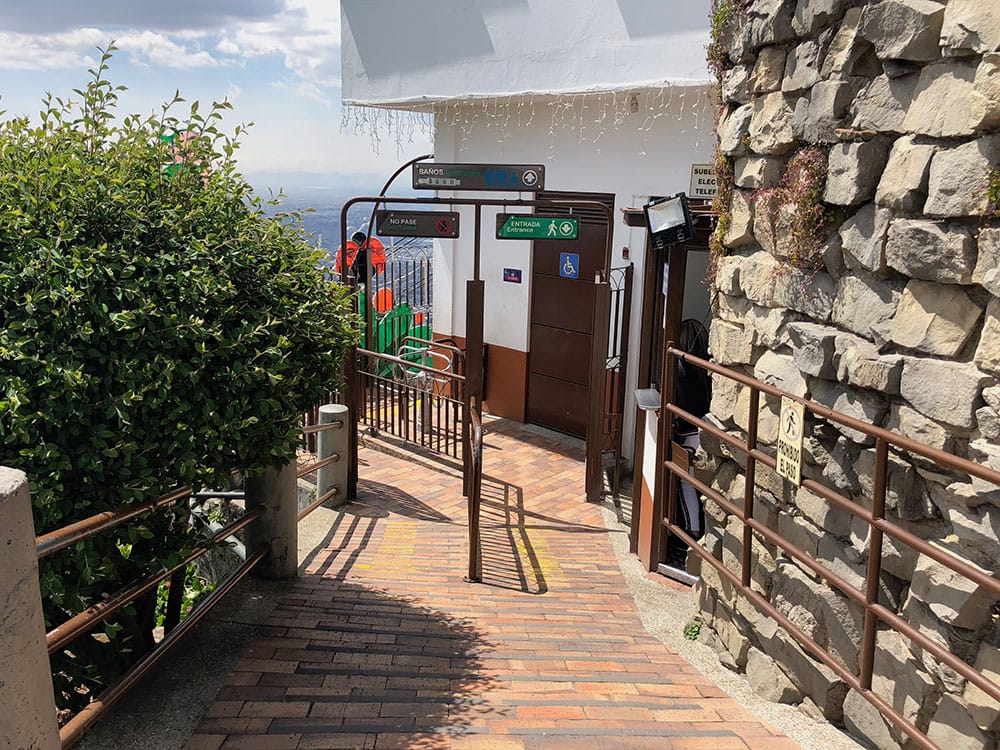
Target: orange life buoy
[{"x": 372, "y": 244}]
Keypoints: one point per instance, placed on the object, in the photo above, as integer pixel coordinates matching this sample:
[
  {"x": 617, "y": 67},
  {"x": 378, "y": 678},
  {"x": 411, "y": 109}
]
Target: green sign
[{"x": 511, "y": 227}]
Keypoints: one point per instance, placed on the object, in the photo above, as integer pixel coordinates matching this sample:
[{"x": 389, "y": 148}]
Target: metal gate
[
  {"x": 416, "y": 394},
  {"x": 615, "y": 372}
]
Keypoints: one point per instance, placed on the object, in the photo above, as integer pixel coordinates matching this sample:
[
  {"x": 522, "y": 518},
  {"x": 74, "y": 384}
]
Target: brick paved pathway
[{"x": 382, "y": 644}]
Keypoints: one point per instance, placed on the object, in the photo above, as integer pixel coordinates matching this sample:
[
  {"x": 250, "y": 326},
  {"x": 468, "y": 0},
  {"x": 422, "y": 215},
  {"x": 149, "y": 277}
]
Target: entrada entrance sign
[
  {"x": 511, "y": 227},
  {"x": 506, "y": 177},
  {"x": 417, "y": 224}
]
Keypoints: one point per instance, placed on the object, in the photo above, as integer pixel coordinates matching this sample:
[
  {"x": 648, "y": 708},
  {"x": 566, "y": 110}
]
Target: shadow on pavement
[{"x": 339, "y": 663}]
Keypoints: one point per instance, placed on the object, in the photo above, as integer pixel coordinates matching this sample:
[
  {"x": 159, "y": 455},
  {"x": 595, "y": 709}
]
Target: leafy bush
[
  {"x": 692, "y": 630},
  {"x": 157, "y": 329}
]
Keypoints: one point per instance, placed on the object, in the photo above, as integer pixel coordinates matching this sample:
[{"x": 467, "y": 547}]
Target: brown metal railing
[
  {"x": 62, "y": 635},
  {"x": 475, "y": 494},
  {"x": 310, "y": 431},
  {"x": 413, "y": 401},
  {"x": 875, "y": 518},
  {"x": 75, "y": 728},
  {"x": 310, "y": 420}
]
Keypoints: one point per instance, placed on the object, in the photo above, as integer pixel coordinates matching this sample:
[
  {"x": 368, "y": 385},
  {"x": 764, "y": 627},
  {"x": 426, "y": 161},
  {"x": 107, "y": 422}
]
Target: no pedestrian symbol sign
[
  {"x": 790, "y": 430},
  {"x": 443, "y": 224},
  {"x": 512, "y": 227}
]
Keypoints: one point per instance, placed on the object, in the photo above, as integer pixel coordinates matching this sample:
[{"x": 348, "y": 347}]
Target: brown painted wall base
[
  {"x": 506, "y": 380},
  {"x": 644, "y": 510}
]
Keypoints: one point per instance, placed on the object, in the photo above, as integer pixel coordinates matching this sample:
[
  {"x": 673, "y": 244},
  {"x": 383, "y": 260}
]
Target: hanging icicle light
[{"x": 589, "y": 115}]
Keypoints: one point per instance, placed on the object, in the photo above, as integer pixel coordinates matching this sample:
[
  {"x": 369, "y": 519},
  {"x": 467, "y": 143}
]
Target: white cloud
[
  {"x": 314, "y": 92},
  {"x": 306, "y": 34},
  {"x": 74, "y": 49},
  {"x": 156, "y": 49},
  {"x": 279, "y": 58},
  {"x": 228, "y": 47}
]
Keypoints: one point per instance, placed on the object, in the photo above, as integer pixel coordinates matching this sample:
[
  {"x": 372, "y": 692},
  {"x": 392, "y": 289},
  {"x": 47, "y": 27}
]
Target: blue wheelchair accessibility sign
[{"x": 569, "y": 265}]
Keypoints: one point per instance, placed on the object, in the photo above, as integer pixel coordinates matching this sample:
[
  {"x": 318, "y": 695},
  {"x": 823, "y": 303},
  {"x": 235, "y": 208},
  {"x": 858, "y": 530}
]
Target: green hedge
[{"x": 157, "y": 330}]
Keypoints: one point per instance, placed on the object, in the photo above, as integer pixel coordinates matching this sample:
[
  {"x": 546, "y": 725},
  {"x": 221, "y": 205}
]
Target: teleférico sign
[{"x": 703, "y": 183}]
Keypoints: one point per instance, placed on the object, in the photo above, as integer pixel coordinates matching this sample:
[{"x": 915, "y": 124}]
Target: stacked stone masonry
[{"x": 899, "y": 327}]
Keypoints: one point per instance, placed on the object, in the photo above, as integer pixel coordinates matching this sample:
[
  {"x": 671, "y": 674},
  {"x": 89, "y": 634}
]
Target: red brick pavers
[{"x": 383, "y": 645}]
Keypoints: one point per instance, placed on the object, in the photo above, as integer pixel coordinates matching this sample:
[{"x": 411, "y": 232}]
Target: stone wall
[{"x": 899, "y": 326}]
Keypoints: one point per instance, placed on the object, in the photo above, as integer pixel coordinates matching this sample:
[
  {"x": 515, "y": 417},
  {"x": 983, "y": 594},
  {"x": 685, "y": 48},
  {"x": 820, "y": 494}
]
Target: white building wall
[
  {"x": 399, "y": 51},
  {"x": 644, "y": 156}
]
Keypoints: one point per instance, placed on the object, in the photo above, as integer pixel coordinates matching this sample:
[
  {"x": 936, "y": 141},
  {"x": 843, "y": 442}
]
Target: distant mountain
[
  {"x": 361, "y": 183},
  {"x": 325, "y": 195}
]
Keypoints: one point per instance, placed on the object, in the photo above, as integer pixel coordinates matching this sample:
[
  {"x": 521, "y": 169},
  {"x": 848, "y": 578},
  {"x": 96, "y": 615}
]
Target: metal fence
[
  {"x": 612, "y": 425},
  {"x": 876, "y": 614},
  {"x": 416, "y": 395},
  {"x": 261, "y": 508}
]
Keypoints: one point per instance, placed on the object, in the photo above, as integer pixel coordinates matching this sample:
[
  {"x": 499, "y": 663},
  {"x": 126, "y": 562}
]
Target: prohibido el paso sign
[{"x": 790, "y": 429}]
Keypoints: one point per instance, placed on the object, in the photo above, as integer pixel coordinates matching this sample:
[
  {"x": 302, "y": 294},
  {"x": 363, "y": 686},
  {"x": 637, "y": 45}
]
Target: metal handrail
[
  {"x": 61, "y": 635},
  {"x": 879, "y": 525},
  {"x": 83, "y": 622},
  {"x": 475, "y": 494},
  {"x": 313, "y": 429},
  {"x": 412, "y": 365},
  {"x": 400, "y": 406},
  {"x": 329, "y": 495},
  {"x": 310, "y": 468},
  {"x": 88, "y": 527},
  {"x": 887, "y": 527},
  {"x": 75, "y": 727},
  {"x": 927, "y": 451},
  {"x": 429, "y": 344}
]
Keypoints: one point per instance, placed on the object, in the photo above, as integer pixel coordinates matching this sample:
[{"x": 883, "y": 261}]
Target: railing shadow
[
  {"x": 510, "y": 557},
  {"x": 538, "y": 437},
  {"x": 375, "y": 663},
  {"x": 394, "y": 500}
]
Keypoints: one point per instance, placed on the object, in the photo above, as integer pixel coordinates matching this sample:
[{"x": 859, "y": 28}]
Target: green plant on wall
[
  {"x": 993, "y": 191},
  {"x": 721, "y": 206},
  {"x": 801, "y": 189},
  {"x": 158, "y": 330},
  {"x": 723, "y": 17}
]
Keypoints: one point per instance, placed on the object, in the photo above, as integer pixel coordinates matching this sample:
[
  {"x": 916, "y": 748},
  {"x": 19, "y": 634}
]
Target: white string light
[{"x": 590, "y": 116}]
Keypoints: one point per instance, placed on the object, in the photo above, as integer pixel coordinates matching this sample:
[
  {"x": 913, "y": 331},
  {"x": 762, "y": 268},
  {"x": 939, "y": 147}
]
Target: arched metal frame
[{"x": 473, "y": 395}]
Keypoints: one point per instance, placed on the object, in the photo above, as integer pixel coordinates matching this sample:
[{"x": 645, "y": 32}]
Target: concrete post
[
  {"x": 330, "y": 442},
  {"x": 276, "y": 490},
  {"x": 28, "y": 720}
]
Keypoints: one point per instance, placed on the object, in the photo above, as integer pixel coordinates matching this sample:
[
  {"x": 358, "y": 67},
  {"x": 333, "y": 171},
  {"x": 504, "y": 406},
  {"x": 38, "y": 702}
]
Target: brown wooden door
[{"x": 562, "y": 316}]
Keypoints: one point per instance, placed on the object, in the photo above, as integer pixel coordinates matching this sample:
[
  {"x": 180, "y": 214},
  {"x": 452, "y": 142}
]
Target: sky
[{"x": 277, "y": 62}]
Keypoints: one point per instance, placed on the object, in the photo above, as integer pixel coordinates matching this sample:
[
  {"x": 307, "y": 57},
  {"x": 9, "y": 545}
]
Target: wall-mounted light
[{"x": 668, "y": 220}]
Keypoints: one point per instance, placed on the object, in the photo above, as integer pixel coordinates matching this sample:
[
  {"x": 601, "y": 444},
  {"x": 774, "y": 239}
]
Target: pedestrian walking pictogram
[{"x": 790, "y": 432}]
